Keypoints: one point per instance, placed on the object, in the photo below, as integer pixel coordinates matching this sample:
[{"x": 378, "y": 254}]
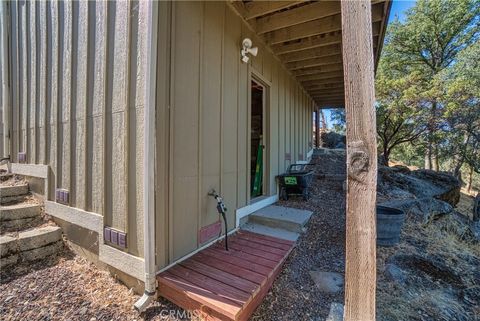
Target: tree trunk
[
  {"x": 470, "y": 180},
  {"x": 436, "y": 166},
  {"x": 428, "y": 157}
]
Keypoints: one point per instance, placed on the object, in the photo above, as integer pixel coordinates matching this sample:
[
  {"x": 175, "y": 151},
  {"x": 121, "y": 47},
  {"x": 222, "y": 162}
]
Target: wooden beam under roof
[
  {"x": 316, "y": 83},
  {"x": 307, "y": 29},
  {"x": 326, "y": 75},
  {"x": 327, "y": 86},
  {"x": 295, "y": 16},
  {"x": 329, "y": 96},
  {"x": 330, "y": 104},
  {"x": 308, "y": 43},
  {"x": 333, "y": 89},
  {"x": 335, "y": 49},
  {"x": 325, "y": 90},
  {"x": 315, "y": 27},
  {"x": 254, "y": 9},
  {"x": 314, "y": 62},
  {"x": 317, "y": 70}
]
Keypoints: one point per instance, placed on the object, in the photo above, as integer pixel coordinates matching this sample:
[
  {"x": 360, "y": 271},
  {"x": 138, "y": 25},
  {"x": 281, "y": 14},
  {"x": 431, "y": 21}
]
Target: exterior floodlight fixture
[{"x": 247, "y": 49}]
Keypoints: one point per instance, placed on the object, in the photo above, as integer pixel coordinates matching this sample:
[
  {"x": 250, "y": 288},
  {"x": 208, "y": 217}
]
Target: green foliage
[
  {"x": 337, "y": 117},
  {"x": 427, "y": 84}
]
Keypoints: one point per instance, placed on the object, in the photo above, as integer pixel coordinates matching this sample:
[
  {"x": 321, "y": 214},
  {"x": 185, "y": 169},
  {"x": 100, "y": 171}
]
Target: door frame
[{"x": 256, "y": 76}]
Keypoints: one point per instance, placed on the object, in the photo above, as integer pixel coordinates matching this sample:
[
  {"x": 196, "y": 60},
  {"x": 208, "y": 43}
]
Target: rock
[
  {"x": 340, "y": 145},
  {"x": 426, "y": 209},
  {"x": 328, "y": 282},
  {"x": 336, "y": 312},
  {"x": 395, "y": 273},
  {"x": 448, "y": 185},
  {"x": 332, "y": 139},
  {"x": 420, "y": 183}
]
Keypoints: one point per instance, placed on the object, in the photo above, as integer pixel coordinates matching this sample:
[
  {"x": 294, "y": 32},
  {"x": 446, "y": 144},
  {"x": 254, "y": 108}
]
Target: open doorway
[{"x": 257, "y": 140}]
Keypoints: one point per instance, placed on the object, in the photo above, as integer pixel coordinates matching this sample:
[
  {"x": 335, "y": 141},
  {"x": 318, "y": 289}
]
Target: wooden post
[{"x": 358, "y": 66}]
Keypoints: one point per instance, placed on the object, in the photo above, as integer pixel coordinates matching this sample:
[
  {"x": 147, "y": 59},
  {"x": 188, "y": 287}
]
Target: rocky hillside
[{"x": 433, "y": 273}]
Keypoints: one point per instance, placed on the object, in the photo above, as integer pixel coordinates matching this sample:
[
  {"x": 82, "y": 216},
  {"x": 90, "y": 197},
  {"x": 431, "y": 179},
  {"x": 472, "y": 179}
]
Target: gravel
[{"x": 294, "y": 295}]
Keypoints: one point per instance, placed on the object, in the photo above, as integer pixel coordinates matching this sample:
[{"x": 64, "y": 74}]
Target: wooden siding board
[
  {"x": 15, "y": 74},
  {"x": 65, "y": 135},
  {"x": 185, "y": 126},
  {"x": 42, "y": 113},
  {"x": 273, "y": 131},
  {"x": 230, "y": 110},
  {"x": 98, "y": 110},
  {"x": 211, "y": 109},
  {"x": 32, "y": 102},
  {"x": 79, "y": 170},
  {"x": 23, "y": 78}
]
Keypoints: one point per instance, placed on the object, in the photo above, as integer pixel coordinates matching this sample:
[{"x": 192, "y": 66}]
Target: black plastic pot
[{"x": 389, "y": 225}]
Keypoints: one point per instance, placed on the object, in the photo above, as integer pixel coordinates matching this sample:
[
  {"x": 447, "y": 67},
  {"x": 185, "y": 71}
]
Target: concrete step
[
  {"x": 270, "y": 231},
  {"x": 19, "y": 211},
  {"x": 286, "y": 218},
  {"x": 30, "y": 245},
  {"x": 15, "y": 193},
  {"x": 19, "y": 216},
  {"x": 15, "y": 190}
]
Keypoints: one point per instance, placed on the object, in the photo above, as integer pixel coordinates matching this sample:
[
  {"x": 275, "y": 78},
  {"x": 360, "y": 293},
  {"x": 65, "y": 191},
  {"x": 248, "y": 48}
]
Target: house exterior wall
[
  {"x": 203, "y": 92},
  {"x": 77, "y": 79},
  {"x": 77, "y": 82}
]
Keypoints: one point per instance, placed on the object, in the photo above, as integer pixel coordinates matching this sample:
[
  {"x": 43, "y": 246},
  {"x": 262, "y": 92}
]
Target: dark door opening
[{"x": 256, "y": 140}]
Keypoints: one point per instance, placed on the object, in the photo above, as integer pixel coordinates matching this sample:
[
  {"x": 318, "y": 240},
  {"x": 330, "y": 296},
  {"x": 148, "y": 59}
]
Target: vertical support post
[
  {"x": 317, "y": 128},
  {"x": 358, "y": 66}
]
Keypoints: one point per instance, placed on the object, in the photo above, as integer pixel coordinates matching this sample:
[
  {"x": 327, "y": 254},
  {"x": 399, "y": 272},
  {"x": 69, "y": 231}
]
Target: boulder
[
  {"x": 332, "y": 140},
  {"x": 426, "y": 209},
  {"x": 327, "y": 282},
  {"x": 420, "y": 183},
  {"x": 394, "y": 273}
]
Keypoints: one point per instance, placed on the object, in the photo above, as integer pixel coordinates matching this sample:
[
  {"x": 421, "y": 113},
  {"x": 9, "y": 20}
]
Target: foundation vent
[
  {"x": 115, "y": 237},
  {"x": 62, "y": 196},
  {"x": 22, "y": 157}
]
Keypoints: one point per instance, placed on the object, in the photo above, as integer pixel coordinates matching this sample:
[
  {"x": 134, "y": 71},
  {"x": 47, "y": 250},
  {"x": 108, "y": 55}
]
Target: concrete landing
[
  {"x": 286, "y": 218},
  {"x": 270, "y": 231}
]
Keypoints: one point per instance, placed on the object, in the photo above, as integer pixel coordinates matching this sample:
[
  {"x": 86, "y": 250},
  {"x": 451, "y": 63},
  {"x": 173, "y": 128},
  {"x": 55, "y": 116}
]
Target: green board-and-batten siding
[
  {"x": 77, "y": 82},
  {"x": 204, "y": 88}
]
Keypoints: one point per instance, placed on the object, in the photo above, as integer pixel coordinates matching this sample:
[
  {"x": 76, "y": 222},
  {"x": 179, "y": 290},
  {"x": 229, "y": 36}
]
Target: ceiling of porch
[{"x": 307, "y": 37}]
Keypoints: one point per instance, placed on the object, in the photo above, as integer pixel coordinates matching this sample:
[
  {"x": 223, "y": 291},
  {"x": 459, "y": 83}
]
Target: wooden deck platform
[{"x": 223, "y": 285}]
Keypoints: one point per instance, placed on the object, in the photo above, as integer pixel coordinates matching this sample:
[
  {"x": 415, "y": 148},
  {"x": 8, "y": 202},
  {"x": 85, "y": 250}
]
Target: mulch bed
[{"x": 294, "y": 295}]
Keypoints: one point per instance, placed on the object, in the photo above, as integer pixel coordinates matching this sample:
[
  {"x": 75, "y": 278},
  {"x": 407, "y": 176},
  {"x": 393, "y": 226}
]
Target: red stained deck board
[
  {"x": 273, "y": 244},
  {"x": 248, "y": 257},
  {"x": 226, "y": 285},
  {"x": 222, "y": 255}
]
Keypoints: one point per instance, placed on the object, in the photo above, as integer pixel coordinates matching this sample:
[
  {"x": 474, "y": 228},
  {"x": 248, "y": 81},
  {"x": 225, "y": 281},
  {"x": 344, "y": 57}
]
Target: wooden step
[{"x": 226, "y": 285}]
